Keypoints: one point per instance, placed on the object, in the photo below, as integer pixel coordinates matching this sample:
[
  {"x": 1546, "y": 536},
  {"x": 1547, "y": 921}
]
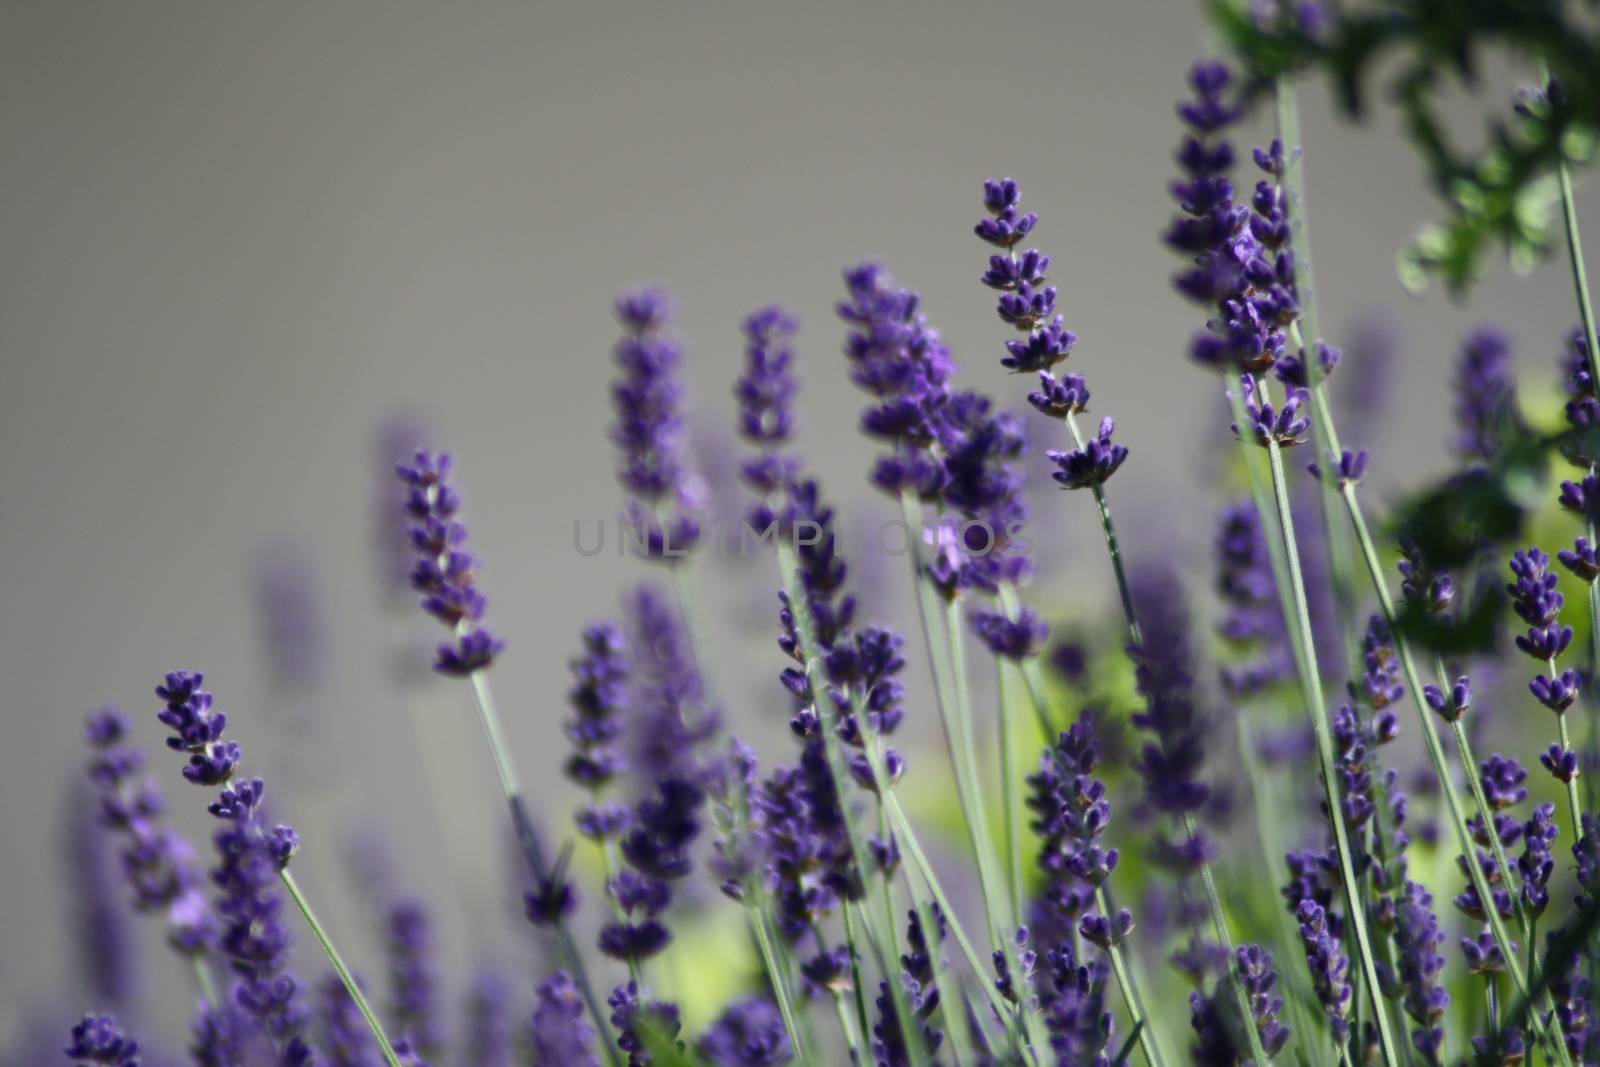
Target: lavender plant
[{"x": 856, "y": 930}]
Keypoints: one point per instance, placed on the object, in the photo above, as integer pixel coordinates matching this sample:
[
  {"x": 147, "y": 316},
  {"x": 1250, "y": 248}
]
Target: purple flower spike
[
  {"x": 1416, "y": 975},
  {"x": 98, "y": 1040},
  {"x": 598, "y": 697},
  {"x": 1486, "y": 401},
  {"x": 1582, "y": 497},
  {"x": 158, "y": 862},
  {"x": 1006, "y": 226},
  {"x": 1092, "y": 464},
  {"x": 1014, "y": 640},
  {"x": 1060, "y": 397},
  {"x": 1291, "y": 368},
  {"x": 445, "y": 573},
  {"x": 1345, "y": 468},
  {"x": 413, "y": 980},
  {"x": 749, "y": 1033},
  {"x": 1537, "y": 603},
  {"x": 1580, "y": 560},
  {"x": 1286, "y": 426},
  {"x": 1452, "y": 705},
  {"x": 1260, "y": 981},
  {"x": 250, "y": 859},
  {"x": 1329, "y": 966},
  {"x": 561, "y": 1033},
  {"x": 1556, "y": 693},
  {"x": 1107, "y": 933},
  {"x": 1503, "y": 780},
  {"x": 1536, "y": 863},
  {"x": 627, "y": 1009},
  {"x": 648, "y": 396},
  {"x": 1561, "y": 762}
]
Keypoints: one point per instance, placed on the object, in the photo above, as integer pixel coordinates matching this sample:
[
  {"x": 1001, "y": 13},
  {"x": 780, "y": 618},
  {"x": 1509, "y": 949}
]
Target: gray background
[{"x": 236, "y": 236}]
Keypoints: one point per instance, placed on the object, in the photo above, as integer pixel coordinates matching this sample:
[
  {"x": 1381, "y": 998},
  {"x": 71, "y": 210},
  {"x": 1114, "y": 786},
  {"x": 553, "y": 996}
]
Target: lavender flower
[
  {"x": 102, "y": 941},
  {"x": 98, "y": 1039},
  {"x": 1535, "y": 863},
  {"x": 749, "y": 1033},
  {"x": 673, "y": 715},
  {"x": 290, "y": 618},
  {"x": 1329, "y": 967},
  {"x": 1486, "y": 401},
  {"x": 1260, "y": 982},
  {"x": 1251, "y": 619},
  {"x": 1091, "y": 465},
  {"x": 628, "y": 1010},
  {"x": 1582, "y": 407},
  {"x": 488, "y": 1021},
  {"x": 657, "y": 850},
  {"x": 766, "y": 405},
  {"x": 663, "y": 494},
  {"x": 1014, "y": 639},
  {"x": 562, "y": 1035},
  {"x": 342, "y": 1034},
  {"x": 445, "y": 573},
  {"x": 599, "y": 695},
  {"x": 1170, "y": 761},
  {"x": 1415, "y": 976},
  {"x": 250, "y": 857},
  {"x": 413, "y": 980},
  {"x": 1536, "y": 601},
  {"x": 1072, "y": 1002},
  {"x": 1580, "y": 559},
  {"x": 1285, "y": 426},
  {"x": 899, "y": 360},
  {"x": 158, "y": 863}
]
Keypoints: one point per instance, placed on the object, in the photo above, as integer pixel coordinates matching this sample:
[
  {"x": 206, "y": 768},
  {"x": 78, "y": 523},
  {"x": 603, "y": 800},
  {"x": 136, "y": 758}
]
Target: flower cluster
[
  {"x": 250, "y": 856},
  {"x": 445, "y": 573},
  {"x": 599, "y": 700},
  {"x": 663, "y": 494},
  {"x": 159, "y": 864}
]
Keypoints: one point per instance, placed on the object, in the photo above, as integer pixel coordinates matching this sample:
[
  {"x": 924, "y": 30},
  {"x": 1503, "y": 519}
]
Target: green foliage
[{"x": 1496, "y": 194}]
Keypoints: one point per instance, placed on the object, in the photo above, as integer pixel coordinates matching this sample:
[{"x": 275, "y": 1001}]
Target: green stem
[
  {"x": 528, "y": 842},
  {"x": 1113, "y": 547},
  {"x": 1032, "y": 673},
  {"x": 779, "y": 981},
  {"x": 1010, "y": 787},
  {"x": 1130, "y": 992},
  {"x": 1219, "y": 923},
  {"x": 202, "y": 980},
  {"x": 857, "y": 985},
  {"x": 971, "y": 790},
  {"x": 1311, "y": 687},
  {"x": 345, "y": 976},
  {"x": 1572, "y": 784}
]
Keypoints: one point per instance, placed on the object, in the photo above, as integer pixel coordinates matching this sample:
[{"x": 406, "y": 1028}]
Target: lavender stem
[
  {"x": 1311, "y": 687},
  {"x": 350, "y": 984},
  {"x": 528, "y": 841},
  {"x": 1124, "y": 590},
  {"x": 779, "y": 980},
  {"x": 1009, "y": 800},
  {"x": 1130, "y": 992},
  {"x": 1032, "y": 673}
]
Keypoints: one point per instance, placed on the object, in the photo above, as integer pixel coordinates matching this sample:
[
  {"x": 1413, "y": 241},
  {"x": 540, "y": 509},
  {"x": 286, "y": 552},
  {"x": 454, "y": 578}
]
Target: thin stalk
[
  {"x": 1220, "y": 923},
  {"x": 1130, "y": 992},
  {"x": 1009, "y": 790},
  {"x": 1311, "y": 686},
  {"x": 1113, "y": 548},
  {"x": 1032, "y": 673},
  {"x": 780, "y": 983},
  {"x": 202, "y": 980},
  {"x": 528, "y": 841},
  {"x": 1324, "y": 436},
  {"x": 857, "y": 986},
  {"x": 1572, "y": 785},
  {"x": 350, "y": 984},
  {"x": 962, "y": 755},
  {"x": 953, "y": 693},
  {"x": 908, "y": 837},
  {"x": 1441, "y": 767}
]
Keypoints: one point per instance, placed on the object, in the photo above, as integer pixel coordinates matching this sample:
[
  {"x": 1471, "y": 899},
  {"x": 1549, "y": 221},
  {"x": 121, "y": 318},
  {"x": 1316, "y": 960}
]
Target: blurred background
[{"x": 241, "y": 239}]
